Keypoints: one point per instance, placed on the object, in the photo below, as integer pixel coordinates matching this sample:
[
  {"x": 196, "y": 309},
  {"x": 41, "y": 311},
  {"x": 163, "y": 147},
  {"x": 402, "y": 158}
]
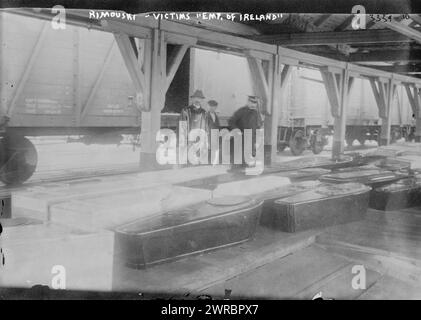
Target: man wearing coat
[
  {"x": 195, "y": 117},
  {"x": 247, "y": 117}
]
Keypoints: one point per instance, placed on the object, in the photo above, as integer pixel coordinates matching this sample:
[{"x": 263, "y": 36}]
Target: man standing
[
  {"x": 194, "y": 114},
  {"x": 247, "y": 117},
  {"x": 195, "y": 117},
  {"x": 213, "y": 120}
]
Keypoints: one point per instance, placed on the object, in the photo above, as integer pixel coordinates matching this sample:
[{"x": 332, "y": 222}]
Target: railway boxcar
[{"x": 58, "y": 82}]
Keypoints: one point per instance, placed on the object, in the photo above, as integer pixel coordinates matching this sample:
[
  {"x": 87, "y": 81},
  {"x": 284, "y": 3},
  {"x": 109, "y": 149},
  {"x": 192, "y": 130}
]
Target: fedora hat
[{"x": 198, "y": 94}]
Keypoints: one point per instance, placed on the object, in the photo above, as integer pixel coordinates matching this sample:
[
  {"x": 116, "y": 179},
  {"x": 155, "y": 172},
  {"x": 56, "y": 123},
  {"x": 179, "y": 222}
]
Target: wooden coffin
[
  {"x": 393, "y": 164},
  {"x": 36, "y": 201},
  {"x": 209, "y": 225},
  {"x": 304, "y": 174},
  {"x": 402, "y": 194},
  {"x": 310, "y": 162},
  {"x": 265, "y": 188},
  {"x": 370, "y": 177},
  {"x": 109, "y": 211},
  {"x": 40, "y": 254},
  {"x": 325, "y": 206}
]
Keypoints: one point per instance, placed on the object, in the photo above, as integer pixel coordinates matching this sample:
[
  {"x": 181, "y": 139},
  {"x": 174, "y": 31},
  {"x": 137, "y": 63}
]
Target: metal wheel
[
  {"x": 317, "y": 142},
  {"x": 18, "y": 159},
  {"x": 298, "y": 143},
  {"x": 361, "y": 141}
]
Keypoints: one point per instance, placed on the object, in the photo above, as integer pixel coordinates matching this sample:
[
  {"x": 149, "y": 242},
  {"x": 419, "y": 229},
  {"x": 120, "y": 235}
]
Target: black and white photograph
[{"x": 206, "y": 153}]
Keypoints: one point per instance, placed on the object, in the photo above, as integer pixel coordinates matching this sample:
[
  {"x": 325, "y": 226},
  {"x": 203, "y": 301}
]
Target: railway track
[{"x": 49, "y": 176}]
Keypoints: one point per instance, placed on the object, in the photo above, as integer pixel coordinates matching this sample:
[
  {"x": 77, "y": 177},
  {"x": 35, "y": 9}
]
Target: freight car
[
  {"x": 305, "y": 119},
  {"x": 57, "y": 82}
]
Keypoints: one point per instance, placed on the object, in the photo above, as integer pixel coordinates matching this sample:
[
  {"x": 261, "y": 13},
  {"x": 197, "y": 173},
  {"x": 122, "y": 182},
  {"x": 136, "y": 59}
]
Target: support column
[
  {"x": 337, "y": 88},
  {"x": 383, "y": 92},
  {"x": 263, "y": 84},
  {"x": 385, "y": 133},
  {"x": 151, "y": 117},
  {"x": 414, "y": 97},
  {"x": 77, "y": 106}
]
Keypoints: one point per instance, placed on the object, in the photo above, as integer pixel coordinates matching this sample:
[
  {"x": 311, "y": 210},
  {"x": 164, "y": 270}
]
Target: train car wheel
[
  {"x": 349, "y": 142},
  {"x": 298, "y": 143},
  {"x": 361, "y": 141},
  {"x": 18, "y": 159}
]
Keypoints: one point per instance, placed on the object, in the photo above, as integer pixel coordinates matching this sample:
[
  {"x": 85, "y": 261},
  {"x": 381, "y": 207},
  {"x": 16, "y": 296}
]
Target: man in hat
[
  {"x": 213, "y": 120},
  {"x": 247, "y": 117},
  {"x": 194, "y": 115}
]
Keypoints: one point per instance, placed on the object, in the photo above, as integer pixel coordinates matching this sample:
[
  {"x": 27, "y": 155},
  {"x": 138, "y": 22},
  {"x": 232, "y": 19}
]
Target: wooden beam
[
  {"x": 411, "y": 98},
  {"x": 387, "y": 55},
  {"x": 370, "y": 24},
  {"x": 224, "y": 26},
  {"x": 403, "y": 28},
  {"x": 399, "y": 68},
  {"x": 126, "y": 28},
  {"x": 28, "y": 68},
  {"x": 416, "y": 18},
  {"x": 260, "y": 83},
  {"x": 130, "y": 59},
  {"x": 335, "y": 38},
  {"x": 321, "y": 19},
  {"x": 174, "y": 63},
  {"x": 333, "y": 88},
  {"x": 345, "y": 24},
  {"x": 215, "y": 37},
  {"x": 379, "y": 95},
  {"x": 88, "y": 103}
]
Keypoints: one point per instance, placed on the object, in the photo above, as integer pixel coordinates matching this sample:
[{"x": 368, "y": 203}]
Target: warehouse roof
[{"x": 390, "y": 43}]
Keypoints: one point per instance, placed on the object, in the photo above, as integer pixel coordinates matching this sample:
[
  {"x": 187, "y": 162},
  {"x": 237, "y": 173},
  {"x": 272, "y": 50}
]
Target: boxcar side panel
[{"x": 74, "y": 68}]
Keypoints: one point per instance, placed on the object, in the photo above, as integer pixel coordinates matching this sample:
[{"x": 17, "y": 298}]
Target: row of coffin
[
  {"x": 232, "y": 215},
  {"x": 161, "y": 223}
]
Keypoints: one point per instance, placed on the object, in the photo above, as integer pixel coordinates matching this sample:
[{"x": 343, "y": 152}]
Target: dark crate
[
  {"x": 206, "y": 226},
  {"x": 325, "y": 206}
]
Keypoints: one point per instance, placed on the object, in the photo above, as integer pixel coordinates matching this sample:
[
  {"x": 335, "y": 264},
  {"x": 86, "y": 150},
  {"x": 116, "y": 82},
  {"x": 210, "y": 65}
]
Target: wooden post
[
  {"x": 337, "y": 88},
  {"x": 263, "y": 87},
  {"x": 76, "y": 78},
  {"x": 385, "y": 133},
  {"x": 340, "y": 122},
  {"x": 383, "y": 93},
  {"x": 151, "y": 119},
  {"x": 414, "y": 97},
  {"x": 417, "y": 99}
]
